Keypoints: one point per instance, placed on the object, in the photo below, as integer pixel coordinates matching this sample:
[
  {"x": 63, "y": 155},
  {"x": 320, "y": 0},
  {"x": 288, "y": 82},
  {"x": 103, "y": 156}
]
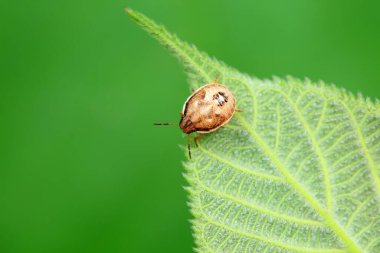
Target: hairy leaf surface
[{"x": 296, "y": 171}]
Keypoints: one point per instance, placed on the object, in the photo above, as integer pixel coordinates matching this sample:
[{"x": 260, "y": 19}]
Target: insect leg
[
  {"x": 188, "y": 145},
  {"x": 197, "y": 138},
  {"x": 238, "y": 110}
]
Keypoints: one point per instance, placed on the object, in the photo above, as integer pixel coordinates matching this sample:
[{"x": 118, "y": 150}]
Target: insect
[{"x": 206, "y": 110}]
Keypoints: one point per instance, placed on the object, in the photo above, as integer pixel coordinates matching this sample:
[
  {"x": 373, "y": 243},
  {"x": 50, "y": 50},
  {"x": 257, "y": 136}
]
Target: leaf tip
[
  {"x": 128, "y": 10},
  {"x": 131, "y": 13}
]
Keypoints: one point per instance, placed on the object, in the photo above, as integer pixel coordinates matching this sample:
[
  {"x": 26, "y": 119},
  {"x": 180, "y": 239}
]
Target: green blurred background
[{"x": 82, "y": 169}]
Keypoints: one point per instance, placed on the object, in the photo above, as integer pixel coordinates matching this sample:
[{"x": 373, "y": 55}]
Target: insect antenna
[{"x": 164, "y": 123}]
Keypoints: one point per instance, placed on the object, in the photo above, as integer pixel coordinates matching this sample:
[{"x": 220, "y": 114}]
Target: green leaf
[{"x": 296, "y": 171}]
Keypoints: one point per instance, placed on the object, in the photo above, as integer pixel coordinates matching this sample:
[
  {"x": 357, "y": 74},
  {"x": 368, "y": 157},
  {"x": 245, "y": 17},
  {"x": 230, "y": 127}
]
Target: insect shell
[{"x": 207, "y": 109}]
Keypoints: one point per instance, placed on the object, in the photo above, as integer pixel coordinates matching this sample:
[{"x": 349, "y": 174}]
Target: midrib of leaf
[
  {"x": 171, "y": 41},
  {"x": 350, "y": 243},
  {"x": 315, "y": 146}
]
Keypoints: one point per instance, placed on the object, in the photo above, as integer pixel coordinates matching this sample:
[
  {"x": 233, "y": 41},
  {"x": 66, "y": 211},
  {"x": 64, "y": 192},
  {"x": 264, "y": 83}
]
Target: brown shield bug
[{"x": 206, "y": 110}]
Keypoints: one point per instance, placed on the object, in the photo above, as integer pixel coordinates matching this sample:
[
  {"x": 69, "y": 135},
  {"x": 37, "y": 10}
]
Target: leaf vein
[
  {"x": 351, "y": 244},
  {"x": 373, "y": 171},
  {"x": 240, "y": 168}
]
